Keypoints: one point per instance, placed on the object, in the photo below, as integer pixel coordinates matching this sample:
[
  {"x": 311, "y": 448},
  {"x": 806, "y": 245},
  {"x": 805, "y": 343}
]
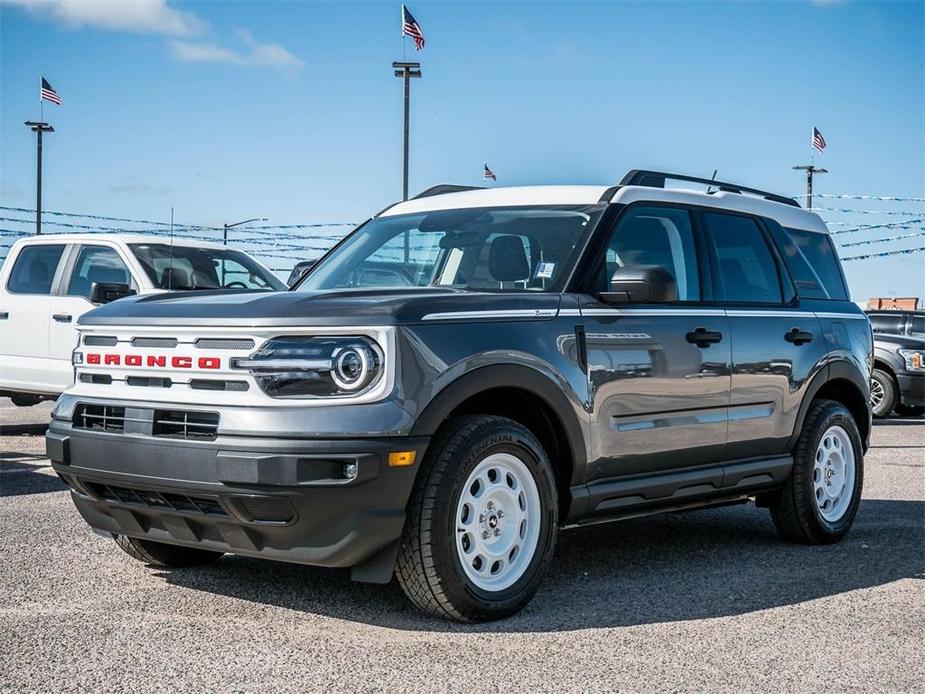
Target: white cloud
[
  {"x": 143, "y": 16},
  {"x": 253, "y": 52}
]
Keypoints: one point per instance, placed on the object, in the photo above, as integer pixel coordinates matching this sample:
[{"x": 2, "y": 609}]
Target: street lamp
[{"x": 237, "y": 224}]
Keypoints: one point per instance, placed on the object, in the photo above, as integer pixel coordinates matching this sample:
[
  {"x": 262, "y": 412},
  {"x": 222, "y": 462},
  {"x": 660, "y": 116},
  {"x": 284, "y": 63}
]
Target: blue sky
[{"x": 289, "y": 110}]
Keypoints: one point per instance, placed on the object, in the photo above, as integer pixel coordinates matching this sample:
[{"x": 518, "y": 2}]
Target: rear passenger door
[
  {"x": 26, "y": 302},
  {"x": 775, "y": 345}
]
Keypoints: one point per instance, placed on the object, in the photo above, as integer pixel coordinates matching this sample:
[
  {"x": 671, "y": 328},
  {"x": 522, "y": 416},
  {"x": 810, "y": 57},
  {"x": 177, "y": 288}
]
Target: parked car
[
  {"x": 898, "y": 379},
  {"x": 48, "y": 282},
  {"x": 470, "y": 371}
]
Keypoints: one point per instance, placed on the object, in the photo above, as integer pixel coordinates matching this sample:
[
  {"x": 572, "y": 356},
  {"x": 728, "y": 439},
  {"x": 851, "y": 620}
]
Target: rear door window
[
  {"x": 747, "y": 269},
  {"x": 97, "y": 264},
  {"x": 34, "y": 269},
  {"x": 819, "y": 252}
]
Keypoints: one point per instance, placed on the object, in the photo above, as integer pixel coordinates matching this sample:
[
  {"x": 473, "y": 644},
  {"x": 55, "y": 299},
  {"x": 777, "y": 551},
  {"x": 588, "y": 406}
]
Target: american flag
[
  {"x": 489, "y": 174},
  {"x": 49, "y": 94},
  {"x": 410, "y": 26},
  {"x": 818, "y": 140}
]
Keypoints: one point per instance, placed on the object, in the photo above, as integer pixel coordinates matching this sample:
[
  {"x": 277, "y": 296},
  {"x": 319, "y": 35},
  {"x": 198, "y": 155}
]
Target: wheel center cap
[{"x": 493, "y": 521}]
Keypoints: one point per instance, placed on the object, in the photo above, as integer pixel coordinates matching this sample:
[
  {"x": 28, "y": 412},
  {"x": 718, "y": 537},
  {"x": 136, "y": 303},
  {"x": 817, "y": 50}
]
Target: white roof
[
  {"x": 118, "y": 238},
  {"x": 785, "y": 215}
]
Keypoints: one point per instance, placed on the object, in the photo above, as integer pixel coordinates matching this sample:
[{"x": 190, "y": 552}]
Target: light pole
[
  {"x": 226, "y": 227},
  {"x": 406, "y": 71},
  {"x": 38, "y": 128},
  {"x": 810, "y": 169}
]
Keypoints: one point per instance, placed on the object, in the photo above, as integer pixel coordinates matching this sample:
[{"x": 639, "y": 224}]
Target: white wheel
[
  {"x": 498, "y": 522},
  {"x": 833, "y": 474}
]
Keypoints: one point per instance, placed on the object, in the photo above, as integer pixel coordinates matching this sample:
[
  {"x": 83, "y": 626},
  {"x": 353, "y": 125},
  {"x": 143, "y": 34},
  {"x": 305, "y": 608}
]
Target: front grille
[
  {"x": 99, "y": 417},
  {"x": 99, "y": 379},
  {"x": 215, "y": 384},
  {"x": 148, "y": 381},
  {"x": 162, "y": 500},
  {"x": 162, "y": 342},
  {"x": 182, "y": 424},
  {"x": 224, "y": 343},
  {"x": 100, "y": 341}
]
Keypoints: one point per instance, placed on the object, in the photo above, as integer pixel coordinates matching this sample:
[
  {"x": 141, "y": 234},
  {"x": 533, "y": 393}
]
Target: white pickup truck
[{"x": 48, "y": 282}]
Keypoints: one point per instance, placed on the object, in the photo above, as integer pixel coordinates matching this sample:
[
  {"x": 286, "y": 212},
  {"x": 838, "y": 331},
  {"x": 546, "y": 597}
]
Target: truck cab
[{"x": 47, "y": 282}]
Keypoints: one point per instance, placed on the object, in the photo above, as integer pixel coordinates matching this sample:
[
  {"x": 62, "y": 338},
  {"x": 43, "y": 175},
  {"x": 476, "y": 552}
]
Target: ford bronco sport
[{"x": 470, "y": 371}]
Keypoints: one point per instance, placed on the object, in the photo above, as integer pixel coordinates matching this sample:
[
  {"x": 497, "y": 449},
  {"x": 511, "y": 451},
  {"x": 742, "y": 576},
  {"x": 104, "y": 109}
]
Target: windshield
[
  {"x": 190, "y": 267},
  {"x": 483, "y": 249}
]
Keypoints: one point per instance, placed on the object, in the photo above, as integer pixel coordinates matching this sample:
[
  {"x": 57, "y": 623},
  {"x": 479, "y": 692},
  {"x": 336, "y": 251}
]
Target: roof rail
[
  {"x": 442, "y": 188},
  {"x": 656, "y": 179}
]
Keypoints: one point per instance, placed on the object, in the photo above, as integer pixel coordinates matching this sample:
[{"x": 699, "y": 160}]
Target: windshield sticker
[{"x": 544, "y": 270}]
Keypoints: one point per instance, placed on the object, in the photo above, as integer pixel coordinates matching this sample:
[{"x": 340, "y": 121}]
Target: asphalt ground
[{"x": 702, "y": 601}]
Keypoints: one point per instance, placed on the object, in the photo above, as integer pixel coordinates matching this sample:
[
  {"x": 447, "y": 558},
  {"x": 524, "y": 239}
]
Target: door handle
[
  {"x": 798, "y": 337},
  {"x": 62, "y": 317},
  {"x": 703, "y": 337},
  {"x": 4, "y": 315}
]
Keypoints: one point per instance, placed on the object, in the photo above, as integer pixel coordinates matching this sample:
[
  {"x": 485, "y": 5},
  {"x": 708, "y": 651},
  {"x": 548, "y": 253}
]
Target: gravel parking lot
[{"x": 702, "y": 601}]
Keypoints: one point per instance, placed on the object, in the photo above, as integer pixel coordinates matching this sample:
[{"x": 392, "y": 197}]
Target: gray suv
[{"x": 471, "y": 371}]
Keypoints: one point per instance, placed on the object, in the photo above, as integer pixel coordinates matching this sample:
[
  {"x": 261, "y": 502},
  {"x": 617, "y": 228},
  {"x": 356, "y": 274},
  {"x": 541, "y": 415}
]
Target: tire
[
  {"x": 163, "y": 555},
  {"x": 798, "y": 510},
  {"x": 455, "y": 489},
  {"x": 882, "y": 385},
  {"x": 25, "y": 399}
]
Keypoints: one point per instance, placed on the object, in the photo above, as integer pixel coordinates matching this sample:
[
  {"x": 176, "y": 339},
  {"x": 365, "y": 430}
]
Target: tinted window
[
  {"x": 35, "y": 269},
  {"x": 659, "y": 236},
  {"x": 747, "y": 269},
  {"x": 96, "y": 264},
  {"x": 893, "y": 325},
  {"x": 820, "y": 254},
  {"x": 918, "y": 325}
]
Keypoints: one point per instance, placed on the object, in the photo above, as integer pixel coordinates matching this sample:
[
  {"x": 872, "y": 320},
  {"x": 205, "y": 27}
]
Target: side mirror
[
  {"x": 640, "y": 284},
  {"x": 104, "y": 292}
]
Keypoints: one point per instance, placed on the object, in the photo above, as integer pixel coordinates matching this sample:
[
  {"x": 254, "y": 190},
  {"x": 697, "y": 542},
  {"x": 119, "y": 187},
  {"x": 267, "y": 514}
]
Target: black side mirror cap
[
  {"x": 640, "y": 284},
  {"x": 104, "y": 292}
]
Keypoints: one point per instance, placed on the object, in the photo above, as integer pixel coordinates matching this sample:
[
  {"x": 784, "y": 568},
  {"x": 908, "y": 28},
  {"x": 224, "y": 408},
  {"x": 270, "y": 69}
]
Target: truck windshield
[
  {"x": 191, "y": 267},
  {"x": 480, "y": 249}
]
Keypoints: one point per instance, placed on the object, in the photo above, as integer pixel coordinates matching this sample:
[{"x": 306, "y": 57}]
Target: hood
[
  {"x": 323, "y": 308},
  {"x": 889, "y": 341}
]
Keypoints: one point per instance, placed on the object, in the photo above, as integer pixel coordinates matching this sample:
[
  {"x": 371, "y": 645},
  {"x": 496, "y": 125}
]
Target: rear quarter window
[
  {"x": 34, "y": 269},
  {"x": 819, "y": 252}
]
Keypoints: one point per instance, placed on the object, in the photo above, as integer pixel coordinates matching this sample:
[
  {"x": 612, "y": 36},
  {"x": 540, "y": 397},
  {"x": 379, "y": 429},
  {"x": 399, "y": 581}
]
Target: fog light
[
  {"x": 350, "y": 471},
  {"x": 401, "y": 458}
]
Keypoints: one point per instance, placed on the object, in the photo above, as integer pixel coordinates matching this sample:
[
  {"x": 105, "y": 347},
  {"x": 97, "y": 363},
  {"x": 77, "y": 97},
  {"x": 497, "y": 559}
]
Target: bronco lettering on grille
[{"x": 153, "y": 361}]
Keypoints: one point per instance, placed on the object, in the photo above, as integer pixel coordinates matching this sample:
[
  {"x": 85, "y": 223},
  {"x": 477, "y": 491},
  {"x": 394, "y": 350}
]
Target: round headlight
[{"x": 354, "y": 366}]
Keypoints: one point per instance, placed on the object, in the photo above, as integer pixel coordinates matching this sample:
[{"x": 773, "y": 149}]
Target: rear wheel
[
  {"x": 481, "y": 523},
  {"x": 163, "y": 555},
  {"x": 820, "y": 500},
  {"x": 882, "y": 393}
]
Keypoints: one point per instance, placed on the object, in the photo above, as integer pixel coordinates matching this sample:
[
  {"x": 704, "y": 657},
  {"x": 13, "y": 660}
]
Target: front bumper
[
  {"x": 911, "y": 389},
  {"x": 274, "y": 498}
]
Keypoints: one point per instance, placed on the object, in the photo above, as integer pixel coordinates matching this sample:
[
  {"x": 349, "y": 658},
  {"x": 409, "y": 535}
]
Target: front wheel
[
  {"x": 818, "y": 503},
  {"x": 481, "y": 523}
]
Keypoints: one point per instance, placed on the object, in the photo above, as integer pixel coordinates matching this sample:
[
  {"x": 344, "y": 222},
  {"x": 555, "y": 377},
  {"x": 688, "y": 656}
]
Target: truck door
[
  {"x": 775, "y": 345},
  {"x": 26, "y": 299},
  {"x": 89, "y": 264},
  {"x": 658, "y": 373}
]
